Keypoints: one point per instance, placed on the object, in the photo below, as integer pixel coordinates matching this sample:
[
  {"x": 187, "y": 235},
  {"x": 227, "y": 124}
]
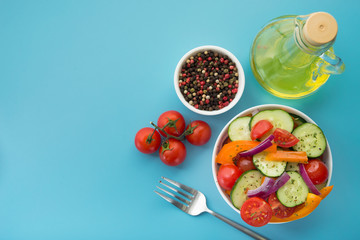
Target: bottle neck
[{"x": 301, "y": 41}]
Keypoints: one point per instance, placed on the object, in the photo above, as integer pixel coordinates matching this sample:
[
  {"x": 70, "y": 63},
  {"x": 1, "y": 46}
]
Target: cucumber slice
[
  {"x": 268, "y": 168},
  {"x": 312, "y": 140},
  {"x": 278, "y": 118},
  {"x": 247, "y": 181},
  {"x": 292, "y": 166},
  {"x": 239, "y": 129},
  {"x": 294, "y": 192}
]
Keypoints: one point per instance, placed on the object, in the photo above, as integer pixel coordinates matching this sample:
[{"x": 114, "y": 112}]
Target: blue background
[{"x": 78, "y": 79}]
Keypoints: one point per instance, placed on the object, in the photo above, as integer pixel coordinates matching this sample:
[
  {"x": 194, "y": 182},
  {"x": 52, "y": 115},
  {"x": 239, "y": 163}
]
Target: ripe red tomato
[
  {"x": 256, "y": 212},
  {"x": 144, "y": 143},
  {"x": 176, "y": 126},
  {"x": 284, "y": 139},
  {"x": 245, "y": 163},
  {"x": 227, "y": 176},
  {"x": 200, "y": 135},
  {"x": 260, "y": 129},
  {"x": 172, "y": 152},
  {"x": 279, "y": 210},
  {"x": 317, "y": 171}
]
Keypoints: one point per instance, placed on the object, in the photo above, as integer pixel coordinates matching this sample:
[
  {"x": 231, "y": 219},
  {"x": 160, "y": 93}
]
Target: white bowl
[
  {"x": 241, "y": 79},
  {"x": 327, "y": 157}
]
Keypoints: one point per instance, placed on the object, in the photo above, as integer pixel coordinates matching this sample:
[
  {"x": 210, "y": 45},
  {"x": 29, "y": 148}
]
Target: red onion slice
[
  {"x": 259, "y": 148},
  {"x": 278, "y": 184},
  {"x": 307, "y": 179},
  {"x": 263, "y": 189}
]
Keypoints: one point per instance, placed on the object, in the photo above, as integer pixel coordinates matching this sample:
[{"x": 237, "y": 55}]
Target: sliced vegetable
[
  {"x": 280, "y": 181},
  {"x": 307, "y": 180},
  {"x": 312, "y": 201},
  {"x": 263, "y": 189},
  {"x": 239, "y": 129},
  {"x": 288, "y": 156},
  {"x": 325, "y": 191},
  {"x": 312, "y": 140},
  {"x": 278, "y": 118},
  {"x": 292, "y": 166},
  {"x": 230, "y": 150},
  {"x": 247, "y": 181},
  {"x": 260, "y": 129},
  {"x": 259, "y": 148},
  {"x": 279, "y": 210},
  {"x": 284, "y": 139},
  {"x": 268, "y": 168},
  {"x": 294, "y": 191},
  {"x": 256, "y": 212}
]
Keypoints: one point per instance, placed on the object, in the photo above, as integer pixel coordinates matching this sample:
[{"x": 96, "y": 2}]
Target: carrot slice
[
  {"x": 229, "y": 150},
  {"x": 287, "y": 156}
]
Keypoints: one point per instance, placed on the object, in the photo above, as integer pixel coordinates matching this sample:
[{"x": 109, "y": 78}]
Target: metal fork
[{"x": 194, "y": 203}]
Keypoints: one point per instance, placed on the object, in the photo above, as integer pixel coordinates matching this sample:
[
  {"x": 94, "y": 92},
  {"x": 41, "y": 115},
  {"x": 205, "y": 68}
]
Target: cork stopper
[{"x": 320, "y": 28}]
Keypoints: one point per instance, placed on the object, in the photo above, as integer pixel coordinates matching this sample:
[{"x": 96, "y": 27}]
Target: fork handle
[{"x": 237, "y": 226}]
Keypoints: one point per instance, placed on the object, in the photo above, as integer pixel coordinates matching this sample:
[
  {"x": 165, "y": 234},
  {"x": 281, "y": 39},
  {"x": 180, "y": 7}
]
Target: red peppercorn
[
  {"x": 207, "y": 101},
  {"x": 221, "y": 60},
  {"x": 209, "y": 58},
  {"x": 188, "y": 65},
  {"x": 201, "y": 92},
  {"x": 236, "y": 85},
  {"x": 201, "y": 103},
  {"x": 184, "y": 74},
  {"x": 226, "y": 61},
  {"x": 202, "y": 82},
  {"x": 234, "y": 90},
  {"x": 229, "y": 86},
  {"x": 225, "y": 98},
  {"x": 196, "y": 106},
  {"x": 231, "y": 67},
  {"x": 227, "y": 76},
  {"x": 199, "y": 58},
  {"x": 191, "y": 61},
  {"x": 226, "y": 103},
  {"x": 217, "y": 89}
]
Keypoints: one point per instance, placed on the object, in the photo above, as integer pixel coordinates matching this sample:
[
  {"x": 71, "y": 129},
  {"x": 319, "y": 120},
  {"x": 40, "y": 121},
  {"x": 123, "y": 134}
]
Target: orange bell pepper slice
[
  {"x": 287, "y": 156},
  {"x": 312, "y": 201},
  {"x": 325, "y": 191},
  {"x": 229, "y": 150}
]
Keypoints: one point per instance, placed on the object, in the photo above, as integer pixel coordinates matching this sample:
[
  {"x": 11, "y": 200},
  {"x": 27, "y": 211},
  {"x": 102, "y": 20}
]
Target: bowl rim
[
  {"x": 223, "y": 134},
  {"x": 241, "y": 79}
]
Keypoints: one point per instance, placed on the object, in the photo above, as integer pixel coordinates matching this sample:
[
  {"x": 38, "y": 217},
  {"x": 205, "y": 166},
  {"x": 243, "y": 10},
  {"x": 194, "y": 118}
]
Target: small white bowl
[
  {"x": 223, "y": 51},
  {"x": 327, "y": 157}
]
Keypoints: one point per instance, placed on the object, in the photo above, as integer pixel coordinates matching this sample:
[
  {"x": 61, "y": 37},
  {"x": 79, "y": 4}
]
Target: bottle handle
[{"x": 333, "y": 64}]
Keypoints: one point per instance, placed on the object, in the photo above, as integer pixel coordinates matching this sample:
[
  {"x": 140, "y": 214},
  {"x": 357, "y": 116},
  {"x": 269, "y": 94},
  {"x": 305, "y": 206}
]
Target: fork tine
[
  {"x": 182, "y": 186},
  {"x": 175, "y": 196},
  {"x": 176, "y": 190},
  {"x": 177, "y": 204}
]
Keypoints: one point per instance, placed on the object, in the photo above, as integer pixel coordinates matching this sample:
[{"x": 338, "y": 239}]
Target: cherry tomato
[
  {"x": 256, "y": 212},
  {"x": 245, "y": 163},
  {"x": 146, "y": 144},
  {"x": 176, "y": 126},
  {"x": 200, "y": 135},
  {"x": 284, "y": 139},
  {"x": 260, "y": 129},
  {"x": 172, "y": 152},
  {"x": 227, "y": 176},
  {"x": 279, "y": 210},
  {"x": 317, "y": 171}
]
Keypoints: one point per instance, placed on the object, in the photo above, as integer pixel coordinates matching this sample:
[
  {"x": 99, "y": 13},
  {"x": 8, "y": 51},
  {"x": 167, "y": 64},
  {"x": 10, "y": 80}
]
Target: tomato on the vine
[
  {"x": 172, "y": 152},
  {"x": 317, "y": 171},
  {"x": 284, "y": 139},
  {"x": 200, "y": 133},
  {"x": 175, "y": 121},
  {"x": 256, "y": 212},
  {"x": 227, "y": 176},
  {"x": 147, "y": 140},
  {"x": 279, "y": 210}
]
